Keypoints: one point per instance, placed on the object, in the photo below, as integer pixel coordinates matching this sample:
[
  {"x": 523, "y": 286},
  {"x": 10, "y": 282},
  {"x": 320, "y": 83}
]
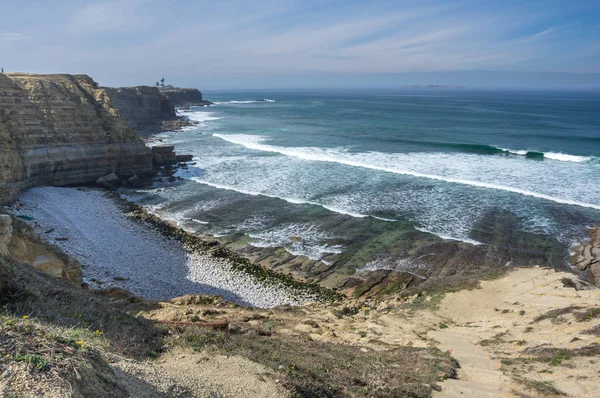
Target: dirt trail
[
  {"x": 184, "y": 373},
  {"x": 479, "y": 376},
  {"x": 501, "y": 322}
]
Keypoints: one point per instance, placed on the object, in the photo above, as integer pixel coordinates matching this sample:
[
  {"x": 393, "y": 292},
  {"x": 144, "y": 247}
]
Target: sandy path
[
  {"x": 504, "y": 312},
  {"x": 187, "y": 373},
  {"x": 479, "y": 375}
]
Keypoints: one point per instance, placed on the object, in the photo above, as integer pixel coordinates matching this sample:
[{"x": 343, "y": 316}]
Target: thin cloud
[
  {"x": 144, "y": 39},
  {"x": 544, "y": 32}
]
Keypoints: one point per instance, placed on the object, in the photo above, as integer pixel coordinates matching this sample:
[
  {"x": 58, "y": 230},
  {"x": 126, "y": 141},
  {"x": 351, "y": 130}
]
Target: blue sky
[{"x": 303, "y": 44}]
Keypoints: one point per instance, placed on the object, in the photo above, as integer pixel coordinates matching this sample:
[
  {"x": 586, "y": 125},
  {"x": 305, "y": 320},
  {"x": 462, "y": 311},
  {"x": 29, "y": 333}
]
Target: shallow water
[{"x": 322, "y": 173}]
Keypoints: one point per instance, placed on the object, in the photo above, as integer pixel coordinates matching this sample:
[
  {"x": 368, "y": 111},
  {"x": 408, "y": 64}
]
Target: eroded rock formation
[
  {"x": 184, "y": 96},
  {"x": 60, "y": 130},
  {"x": 20, "y": 242},
  {"x": 143, "y": 108}
]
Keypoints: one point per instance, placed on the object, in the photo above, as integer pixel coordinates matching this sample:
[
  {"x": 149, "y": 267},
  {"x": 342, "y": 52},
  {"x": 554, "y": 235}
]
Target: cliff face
[
  {"x": 143, "y": 108},
  {"x": 184, "y": 96},
  {"x": 60, "y": 130}
]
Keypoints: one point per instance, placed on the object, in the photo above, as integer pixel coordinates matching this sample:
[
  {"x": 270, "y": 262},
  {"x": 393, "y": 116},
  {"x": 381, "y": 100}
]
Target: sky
[{"x": 247, "y": 44}]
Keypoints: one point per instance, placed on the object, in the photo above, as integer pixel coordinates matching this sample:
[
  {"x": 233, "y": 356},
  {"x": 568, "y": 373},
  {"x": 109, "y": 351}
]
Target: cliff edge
[
  {"x": 184, "y": 96},
  {"x": 143, "y": 108},
  {"x": 61, "y": 130}
]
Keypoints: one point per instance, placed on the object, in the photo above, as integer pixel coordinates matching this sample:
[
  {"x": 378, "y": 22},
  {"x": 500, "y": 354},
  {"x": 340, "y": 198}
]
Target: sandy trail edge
[
  {"x": 479, "y": 375},
  {"x": 504, "y": 311}
]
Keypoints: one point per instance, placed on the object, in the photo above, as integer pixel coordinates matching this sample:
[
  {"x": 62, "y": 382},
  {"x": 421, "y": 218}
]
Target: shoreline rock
[
  {"x": 586, "y": 257},
  {"x": 182, "y": 97}
]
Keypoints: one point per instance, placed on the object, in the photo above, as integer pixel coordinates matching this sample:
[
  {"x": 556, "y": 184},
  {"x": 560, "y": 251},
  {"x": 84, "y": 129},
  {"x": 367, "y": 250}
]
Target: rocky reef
[
  {"x": 184, "y": 96},
  {"x": 62, "y": 130}
]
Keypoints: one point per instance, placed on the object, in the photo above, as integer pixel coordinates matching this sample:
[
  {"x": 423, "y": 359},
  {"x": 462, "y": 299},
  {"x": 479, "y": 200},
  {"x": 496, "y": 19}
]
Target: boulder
[
  {"x": 164, "y": 159},
  {"x": 184, "y": 158},
  {"x": 50, "y": 264},
  {"x": 163, "y": 148},
  {"x": 133, "y": 182},
  {"x": 109, "y": 181},
  {"x": 30, "y": 250}
]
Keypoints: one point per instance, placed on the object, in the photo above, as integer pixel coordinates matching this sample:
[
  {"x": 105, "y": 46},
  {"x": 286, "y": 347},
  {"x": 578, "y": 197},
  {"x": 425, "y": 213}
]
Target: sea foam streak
[
  {"x": 289, "y": 200},
  {"x": 567, "y": 158},
  {"x": 349, "y": 159},
  {"x": 243, "y": 102},
  {"x": 199, "y": 116},
  {"x": 448, "y": 237}
]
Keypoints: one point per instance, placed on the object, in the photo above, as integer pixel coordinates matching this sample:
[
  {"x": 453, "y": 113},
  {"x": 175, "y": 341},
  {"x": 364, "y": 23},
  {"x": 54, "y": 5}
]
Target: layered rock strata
[
  {"x": 61, "y": 130},
  {"x": 143, "y": 108},
  {"x": 164, "y": 155}
]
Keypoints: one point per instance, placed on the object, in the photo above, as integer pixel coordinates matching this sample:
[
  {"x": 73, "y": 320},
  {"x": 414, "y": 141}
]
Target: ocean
[{"x": 348, "y": 174}]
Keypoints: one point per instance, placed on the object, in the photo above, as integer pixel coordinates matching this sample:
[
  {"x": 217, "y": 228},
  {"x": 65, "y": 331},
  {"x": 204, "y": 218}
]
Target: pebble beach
[{"x": 117, "y": 251}]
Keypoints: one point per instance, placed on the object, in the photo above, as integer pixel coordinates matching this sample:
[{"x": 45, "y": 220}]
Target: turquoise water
[{"x": 320, "y": 172}]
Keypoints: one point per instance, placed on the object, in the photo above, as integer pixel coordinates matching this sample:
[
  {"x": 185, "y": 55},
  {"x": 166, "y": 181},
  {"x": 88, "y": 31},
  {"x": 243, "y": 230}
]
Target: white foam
[
  {"x": 198, "y": 221},
  {"x": 448, "y": 237},
  {"x": 289, "y": 200},
  {"x": 566, "y": 158},
  {"x": 562, "y": 157},
  {"x": 242, "y": 102},
  {"x": 521, "y": 152},
  {"x": 201, "y": 116},
  {"x": 298, "y": 239},
  {"x": 381, "y": 161}
]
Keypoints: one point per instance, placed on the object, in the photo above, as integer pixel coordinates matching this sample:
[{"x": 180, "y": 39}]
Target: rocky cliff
[
  {"x": 184, "y": 96},
  {"x": 61, "y": 130},
  {"x": 143, "y": 108}
]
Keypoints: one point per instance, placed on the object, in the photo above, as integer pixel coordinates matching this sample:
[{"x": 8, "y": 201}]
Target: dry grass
[
  {"x": 545, "y": 388},
  {"x": 318, "y": 369},
  {"x": 580, "y": 314},
  {"x": 26, "y": 292},
  {"x": 555, "y": 356}
]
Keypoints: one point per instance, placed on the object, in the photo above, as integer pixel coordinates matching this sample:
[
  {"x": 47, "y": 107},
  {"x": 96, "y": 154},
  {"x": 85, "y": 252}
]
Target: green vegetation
[
  {"x": 38, "y": 362},
  {"x": 542, "y": 387},
  {"x": 556, "y": 356},
  {"x": 579, "y": 315},
  {"x": 70, "y": 314},
  {"x": 496, "y": 339}
]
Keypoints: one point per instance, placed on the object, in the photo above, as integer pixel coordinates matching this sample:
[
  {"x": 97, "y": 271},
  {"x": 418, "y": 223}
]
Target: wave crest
[
  {"x": 364, "y": 160},
  {"x": 242, "y": 102}
]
